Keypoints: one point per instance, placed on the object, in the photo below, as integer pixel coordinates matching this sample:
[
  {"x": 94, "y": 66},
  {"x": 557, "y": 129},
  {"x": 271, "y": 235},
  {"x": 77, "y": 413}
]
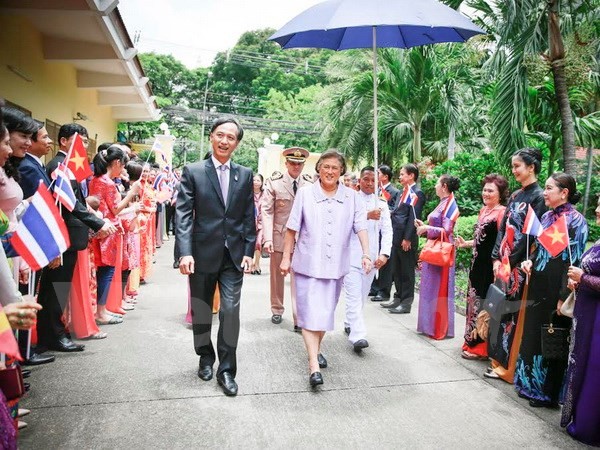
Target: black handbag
[
  {"x": 555, "y": 340},
  {"x": 495, "y": 302}
]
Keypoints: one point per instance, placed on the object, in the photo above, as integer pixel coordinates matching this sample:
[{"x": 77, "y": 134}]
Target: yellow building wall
[{"x": 52, "y": 94}]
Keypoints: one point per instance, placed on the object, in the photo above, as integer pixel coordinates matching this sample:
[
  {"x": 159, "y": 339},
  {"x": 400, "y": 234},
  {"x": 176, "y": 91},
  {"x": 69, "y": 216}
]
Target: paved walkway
[{"x": 139, "y": 389}]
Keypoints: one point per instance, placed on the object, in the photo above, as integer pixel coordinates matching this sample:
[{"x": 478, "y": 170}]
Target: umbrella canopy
[{"x": 346, "y": 24}]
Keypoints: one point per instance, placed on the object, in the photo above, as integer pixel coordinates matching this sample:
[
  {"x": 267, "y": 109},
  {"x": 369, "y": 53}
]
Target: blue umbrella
[{"x": 346, "y": 24}]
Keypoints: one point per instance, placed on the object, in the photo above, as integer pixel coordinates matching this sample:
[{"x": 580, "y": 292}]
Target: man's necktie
[
  {"x": 224, "y": 182},
  {"x": 295, "y": 186}
]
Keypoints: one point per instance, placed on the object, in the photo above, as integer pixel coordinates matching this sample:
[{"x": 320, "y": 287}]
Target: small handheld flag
[
  {"x": 409, "y": 197},
  {"x": 451, "y": 211},
  {"x": 555, "y": 238},
  {"x": 532, "y": 225},
  {"x": 42, "y": 235},
  {"x": 77, "y": 161},
  {"x": 63, "y": 191}
]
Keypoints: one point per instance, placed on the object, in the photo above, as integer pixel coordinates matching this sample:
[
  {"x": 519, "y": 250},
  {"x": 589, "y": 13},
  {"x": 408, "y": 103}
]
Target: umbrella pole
[{"x": 375, "y": 159}]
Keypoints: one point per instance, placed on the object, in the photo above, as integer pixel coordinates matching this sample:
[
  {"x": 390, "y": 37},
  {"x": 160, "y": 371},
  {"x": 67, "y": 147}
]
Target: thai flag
[
  {"x": 452, "y": 212},
  {"x": 42, "y": 235},
  {"x": 409, "y": 197},
  {"x": 157, "y": 147},
  {"x": 63, "y": 191},
  {"x": 158, "y": 181},
  {"x": 532, "y": 225}
]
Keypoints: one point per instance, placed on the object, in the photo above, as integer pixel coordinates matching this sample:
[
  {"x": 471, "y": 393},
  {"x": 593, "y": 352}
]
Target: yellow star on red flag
[{"x": 556, "y": 237}]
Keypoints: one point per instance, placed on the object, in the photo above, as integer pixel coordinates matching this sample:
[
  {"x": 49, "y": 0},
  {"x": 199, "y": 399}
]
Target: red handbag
[
  {"x": 11, "y": 383},
  {"x": 438, "y": 252}
]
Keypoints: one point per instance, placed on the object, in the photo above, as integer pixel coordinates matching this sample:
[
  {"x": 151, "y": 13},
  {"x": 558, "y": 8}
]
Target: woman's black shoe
[
  {"x": 315, "y": 379},
  {"x": 534, "y": 403},
  {"x": 322, "y": 361}
]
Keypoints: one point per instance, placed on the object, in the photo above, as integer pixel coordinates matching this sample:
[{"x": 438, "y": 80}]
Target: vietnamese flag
[
  {"x": 504, "y": 270},
  {"x": 555, "y": 238},
  {"x": 8, "y": 343},
  {"x": 78, "y": 161}
]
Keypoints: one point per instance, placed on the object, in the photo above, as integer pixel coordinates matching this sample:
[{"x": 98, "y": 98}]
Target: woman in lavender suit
[
  {"x": 436, "y": 293},
  {"x": 323, "y": 218}
]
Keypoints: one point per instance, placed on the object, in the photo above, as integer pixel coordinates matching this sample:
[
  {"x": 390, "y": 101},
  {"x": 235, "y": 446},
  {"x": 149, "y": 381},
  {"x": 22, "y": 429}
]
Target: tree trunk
[
  {"x": 552, "y": 149},
  {"x": 416, "y": 144},
  {"x": 557, "y": 55}
]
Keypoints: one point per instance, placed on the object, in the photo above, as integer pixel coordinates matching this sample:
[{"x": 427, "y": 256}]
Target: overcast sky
[{"x": 195, "y": 30}]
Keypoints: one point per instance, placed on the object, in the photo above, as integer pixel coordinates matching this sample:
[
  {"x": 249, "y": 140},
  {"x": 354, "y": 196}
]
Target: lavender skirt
[{"x": 316, "y": 300}]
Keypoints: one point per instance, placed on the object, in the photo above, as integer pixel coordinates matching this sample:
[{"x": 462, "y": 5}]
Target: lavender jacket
[{"x": 324, "y": 229}]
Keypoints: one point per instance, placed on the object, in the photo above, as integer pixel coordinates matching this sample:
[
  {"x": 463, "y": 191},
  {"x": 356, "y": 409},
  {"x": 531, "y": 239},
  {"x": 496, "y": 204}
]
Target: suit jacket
[
  {"x": 31, "y": 173},
  {"x": 204, "y": 224},
  {"x": 276, "y": 205},
  {"x": 80, "y": 219},
  {"x": 403, "y": 219},
  {"x": 394, "y": 196}
]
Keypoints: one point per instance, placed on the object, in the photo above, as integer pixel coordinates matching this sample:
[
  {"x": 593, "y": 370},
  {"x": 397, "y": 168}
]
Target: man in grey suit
[{"x": 215, "y": 235}]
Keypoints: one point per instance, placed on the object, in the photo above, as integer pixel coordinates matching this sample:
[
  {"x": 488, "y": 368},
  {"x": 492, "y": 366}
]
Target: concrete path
[{"x": 139, "y": 389}]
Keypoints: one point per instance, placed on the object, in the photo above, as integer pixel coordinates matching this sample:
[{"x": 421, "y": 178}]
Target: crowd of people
[
  {"x": 113, "y": 234},
  {"x": 333, "y": 233}
]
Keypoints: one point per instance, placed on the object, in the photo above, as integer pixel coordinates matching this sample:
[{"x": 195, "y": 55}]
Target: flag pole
[{"x": 65, "y": 162}]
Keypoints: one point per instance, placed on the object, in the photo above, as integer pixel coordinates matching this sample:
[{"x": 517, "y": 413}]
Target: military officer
[{"x": 277, "y": 200}]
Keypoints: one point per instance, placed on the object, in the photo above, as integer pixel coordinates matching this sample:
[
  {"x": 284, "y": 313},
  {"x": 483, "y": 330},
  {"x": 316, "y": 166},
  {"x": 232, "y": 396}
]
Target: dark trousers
[
  {"x": 170, "y": 213},
  {"x": 202, "y": 290},
  {"x": 55, "y": 287},
  {"x": 403, "y": 269},
  {"x": 382, "y": 285}
]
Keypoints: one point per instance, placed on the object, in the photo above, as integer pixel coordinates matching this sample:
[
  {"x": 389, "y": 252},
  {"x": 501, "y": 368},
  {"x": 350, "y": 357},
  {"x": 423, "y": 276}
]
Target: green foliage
[
  {"x": 464, "y": 227},
  {"x": 470, "y": 170}
]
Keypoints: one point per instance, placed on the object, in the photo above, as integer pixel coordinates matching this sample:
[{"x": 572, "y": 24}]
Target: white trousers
[{"x": 356, "y": 289}]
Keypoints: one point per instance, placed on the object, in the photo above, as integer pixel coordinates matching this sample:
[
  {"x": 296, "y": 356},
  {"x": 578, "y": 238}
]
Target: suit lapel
[
  {"x": 234, "y": 177},
  {"x": 211, "y": 174}
]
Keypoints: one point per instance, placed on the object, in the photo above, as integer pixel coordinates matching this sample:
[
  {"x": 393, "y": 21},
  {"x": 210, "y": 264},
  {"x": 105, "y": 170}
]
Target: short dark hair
[
  {"x": 16, "y": 120},
  {"x": 39, "y": 125},
  {"x": 411, "y": 168},
  {"x": 566, "y": 181},
  {"x": 531, "y": 156},
  {"x": 332, "y": 153},
  {"x": 366, "y": 169},
  {"x": 387, "y": 171},
  {"x": 104, "y": 146},
  {"x": 134, "y": 170},
  {"x": 500, "y": 182},
  {"x": 69, "y": 129},
  {"x": 226, "y": 119}
]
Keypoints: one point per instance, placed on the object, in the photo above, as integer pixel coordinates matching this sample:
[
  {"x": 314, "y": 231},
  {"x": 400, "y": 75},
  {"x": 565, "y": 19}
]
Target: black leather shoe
[
  {"x": 297, "y": 329},
  {"x": 315, "y": 379},
  {"x": 360, "y": 344},
  {"x": 534, "y": 403},
  {"x": 391, "y": 304},
  {"x": 322, "y": 361},
  {"x": 228, "y": 384},
  {"x": 64, "y": 344},
  {"x": 35, "y": 359},
  {"x": 379, "y": 298},
  {"x": 402, "y": 309},
  {"x": 26, "y": 373},
  {"x": 276, "y": 319},
  {"x": 26, "y": 386},
  {"x": 347, "y": 331},
  {"x": 205, "y": 372}
]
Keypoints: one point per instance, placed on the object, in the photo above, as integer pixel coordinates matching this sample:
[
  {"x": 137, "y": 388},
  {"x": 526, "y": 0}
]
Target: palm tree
[
  {"x": 521, "y": 28},
  {"x": 421, "y": 94}
]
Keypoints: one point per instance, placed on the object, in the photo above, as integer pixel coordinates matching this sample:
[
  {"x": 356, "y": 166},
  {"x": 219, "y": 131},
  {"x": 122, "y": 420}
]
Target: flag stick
[
  {"x": 569, "y": 247},
  {"x": 70, "y": 149}
]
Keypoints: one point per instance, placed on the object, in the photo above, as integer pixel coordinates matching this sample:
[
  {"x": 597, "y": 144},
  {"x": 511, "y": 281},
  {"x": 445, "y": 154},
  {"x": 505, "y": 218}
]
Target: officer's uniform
[{"x": 276, "y": 204}]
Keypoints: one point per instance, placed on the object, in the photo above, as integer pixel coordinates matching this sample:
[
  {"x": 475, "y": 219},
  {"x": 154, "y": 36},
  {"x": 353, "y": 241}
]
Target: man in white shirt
[{"x": 356, "y": 282}]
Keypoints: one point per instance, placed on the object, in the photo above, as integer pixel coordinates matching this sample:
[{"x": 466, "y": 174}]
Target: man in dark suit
[
  {"x": 55, "y": 284},
  {"x": 405, "y": 243},
  {"x": 215, "y": 235},
  {"x": 382, "y": 285}
]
